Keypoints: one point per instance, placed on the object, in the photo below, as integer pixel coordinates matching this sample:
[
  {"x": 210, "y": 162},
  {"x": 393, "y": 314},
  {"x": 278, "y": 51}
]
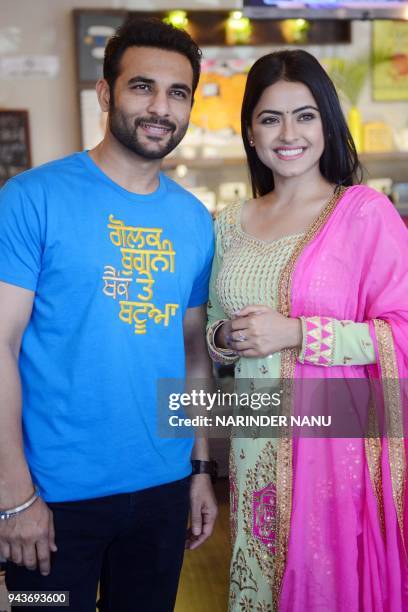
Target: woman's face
[{"x": 287, "y": 130}]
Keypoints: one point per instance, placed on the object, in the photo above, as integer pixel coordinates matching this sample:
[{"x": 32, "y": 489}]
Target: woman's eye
[
  {"x": 306, "y": 117},
  {"x": 269, "y": 120}
]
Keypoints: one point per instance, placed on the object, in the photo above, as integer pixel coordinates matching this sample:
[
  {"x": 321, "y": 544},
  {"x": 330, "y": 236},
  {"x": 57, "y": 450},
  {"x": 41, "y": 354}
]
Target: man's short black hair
[{"x": 149, "y": 32}]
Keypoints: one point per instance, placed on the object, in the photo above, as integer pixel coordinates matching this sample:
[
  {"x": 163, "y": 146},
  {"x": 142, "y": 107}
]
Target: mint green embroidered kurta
[{"x": 246, "y": 271}]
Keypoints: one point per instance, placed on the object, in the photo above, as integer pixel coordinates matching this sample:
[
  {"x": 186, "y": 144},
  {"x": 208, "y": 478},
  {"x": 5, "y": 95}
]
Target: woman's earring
[{"x": 251, "y": 142}]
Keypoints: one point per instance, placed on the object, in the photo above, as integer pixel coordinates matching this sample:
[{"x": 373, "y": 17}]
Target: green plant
[{"x": 349, "y": 77}]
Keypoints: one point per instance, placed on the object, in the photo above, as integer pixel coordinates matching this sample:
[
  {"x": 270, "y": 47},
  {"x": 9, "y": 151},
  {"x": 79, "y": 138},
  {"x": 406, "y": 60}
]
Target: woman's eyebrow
[{"x": 296, "y": 110}]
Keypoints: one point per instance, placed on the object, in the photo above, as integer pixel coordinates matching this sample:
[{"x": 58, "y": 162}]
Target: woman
[{"x": 310, "y": 281}]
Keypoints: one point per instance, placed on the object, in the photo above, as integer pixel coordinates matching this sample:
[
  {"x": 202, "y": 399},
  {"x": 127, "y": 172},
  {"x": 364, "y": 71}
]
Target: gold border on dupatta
[
  {"x": 394, "y": 422},
  {"x": 287, "y": 373},
  {"x": 373, "y": 448}
]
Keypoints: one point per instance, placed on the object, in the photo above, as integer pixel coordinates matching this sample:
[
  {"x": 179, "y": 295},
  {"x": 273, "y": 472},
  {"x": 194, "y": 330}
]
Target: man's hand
[
  {"x": 259, "y": 331},
  {"x": 28, "y": 538},
  {"x": 203, "y": 510},
  {"x": 203, "y": 507}
]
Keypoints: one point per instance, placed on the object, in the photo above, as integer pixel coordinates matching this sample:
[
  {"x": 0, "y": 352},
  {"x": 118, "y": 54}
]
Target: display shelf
[
  {"x": 393, "y": 165},
  {"x": 217, "y": 162},
  {"x": 212, "y": 173},
  {"x": 203, "y": 162},
  {"x": 388, "y": 156}
]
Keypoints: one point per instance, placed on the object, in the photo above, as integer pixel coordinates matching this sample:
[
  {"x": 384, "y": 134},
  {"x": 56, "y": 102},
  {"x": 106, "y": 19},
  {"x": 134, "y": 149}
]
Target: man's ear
[{"x": 103, "y": 93}]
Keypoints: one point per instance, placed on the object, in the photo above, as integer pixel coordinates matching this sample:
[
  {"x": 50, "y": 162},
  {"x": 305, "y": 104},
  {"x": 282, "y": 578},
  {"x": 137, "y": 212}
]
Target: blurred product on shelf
[
  {"x": 231, "y": 192},
  {"x": 401, "y": 139},
  {"x": 378, "y": 137},
  {"x": 383, "y": 185},
  {"x": 207, "y": 197},
  {"x": 400, "y": 198}
]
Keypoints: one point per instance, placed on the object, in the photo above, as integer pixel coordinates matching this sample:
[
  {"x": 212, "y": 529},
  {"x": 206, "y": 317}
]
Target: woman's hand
[
  {"x": 222, "y": 337},
  {"x": 258, "y": 331}
]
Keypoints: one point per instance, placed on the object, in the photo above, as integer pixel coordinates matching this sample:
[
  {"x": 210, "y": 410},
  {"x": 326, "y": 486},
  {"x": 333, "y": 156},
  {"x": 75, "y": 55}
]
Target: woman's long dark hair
[{"x": 339, "y": 162}]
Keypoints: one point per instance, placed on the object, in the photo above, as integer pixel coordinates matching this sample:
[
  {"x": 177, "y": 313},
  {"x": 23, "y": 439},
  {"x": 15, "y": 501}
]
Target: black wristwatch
[{"x": 205, "y": 467}]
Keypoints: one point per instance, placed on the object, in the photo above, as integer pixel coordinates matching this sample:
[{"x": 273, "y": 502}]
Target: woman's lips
[{"x": 287, "y": 154}]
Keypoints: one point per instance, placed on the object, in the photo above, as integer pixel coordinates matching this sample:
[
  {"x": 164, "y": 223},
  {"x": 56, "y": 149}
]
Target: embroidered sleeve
[
  {"x": 216, "y": 314},
  {"x": 329, "y": 342}
]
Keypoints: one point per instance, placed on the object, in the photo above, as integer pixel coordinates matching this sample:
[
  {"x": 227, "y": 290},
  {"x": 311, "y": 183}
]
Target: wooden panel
[
  {"x": 205, "y": 575},
  {"x": 15, "y": 154}
]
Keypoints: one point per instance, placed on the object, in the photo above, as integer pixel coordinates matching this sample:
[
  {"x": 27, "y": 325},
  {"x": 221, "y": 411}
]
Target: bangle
[
  {"x": 302, "y": 352},
  {"x": 220, "y": 355},
  {"x": 6, "y": 514}
]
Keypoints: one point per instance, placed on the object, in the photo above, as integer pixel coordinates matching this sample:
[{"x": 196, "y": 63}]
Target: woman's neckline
[{"x": 240, "y": 230}]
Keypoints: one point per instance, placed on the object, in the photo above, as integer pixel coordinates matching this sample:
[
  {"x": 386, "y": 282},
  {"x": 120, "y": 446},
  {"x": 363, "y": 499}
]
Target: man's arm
[
  {"x": 28, "y": 537},
  {"x": 198, "y": 366}
]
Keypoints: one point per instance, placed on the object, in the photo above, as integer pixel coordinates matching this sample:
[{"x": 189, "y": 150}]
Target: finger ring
[{"x": 241, "y": 337}]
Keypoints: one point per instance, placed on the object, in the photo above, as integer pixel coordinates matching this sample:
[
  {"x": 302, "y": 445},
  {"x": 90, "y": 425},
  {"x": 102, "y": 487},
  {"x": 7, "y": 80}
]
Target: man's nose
[{"x": 159, "y": 104}]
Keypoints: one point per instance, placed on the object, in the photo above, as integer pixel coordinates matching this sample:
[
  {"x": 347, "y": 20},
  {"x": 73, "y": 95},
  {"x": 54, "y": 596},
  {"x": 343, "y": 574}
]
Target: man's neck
[{"x": 125, "y": 168}]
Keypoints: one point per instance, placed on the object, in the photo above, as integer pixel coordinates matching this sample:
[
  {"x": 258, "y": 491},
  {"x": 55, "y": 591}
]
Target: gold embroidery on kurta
[
  {"x": 263, "y": 473},
  {"x": 234, "y": 497},
  {"x": 246, "y": 604},
  {"x": 263, "y": 606},
  {"x": 241, "y": 573}
]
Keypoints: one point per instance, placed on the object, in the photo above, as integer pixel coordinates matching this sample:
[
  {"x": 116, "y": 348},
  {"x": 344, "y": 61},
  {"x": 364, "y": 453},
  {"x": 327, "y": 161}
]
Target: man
[{"x": 104, "y": 265}]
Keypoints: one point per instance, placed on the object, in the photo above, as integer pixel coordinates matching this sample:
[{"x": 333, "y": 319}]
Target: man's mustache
[{"x": 159, "y": 122}]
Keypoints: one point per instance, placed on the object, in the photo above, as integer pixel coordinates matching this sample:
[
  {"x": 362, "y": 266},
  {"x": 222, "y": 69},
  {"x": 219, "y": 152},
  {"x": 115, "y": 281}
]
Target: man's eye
[
  {"x": 141, "y": 86},
  {"x": 179, "y": 93}
]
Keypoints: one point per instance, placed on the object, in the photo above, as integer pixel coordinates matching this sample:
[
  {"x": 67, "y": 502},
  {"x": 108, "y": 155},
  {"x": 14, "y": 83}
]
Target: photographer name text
[{"x": 258, "y": 420}]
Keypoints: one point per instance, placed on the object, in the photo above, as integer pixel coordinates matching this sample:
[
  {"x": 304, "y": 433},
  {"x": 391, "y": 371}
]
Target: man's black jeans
[{"x": 133, "y": 543}]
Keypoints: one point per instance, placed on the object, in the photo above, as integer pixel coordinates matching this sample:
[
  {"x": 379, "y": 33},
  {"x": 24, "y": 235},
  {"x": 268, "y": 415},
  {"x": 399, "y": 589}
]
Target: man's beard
[{"x": 125, "y": 131}]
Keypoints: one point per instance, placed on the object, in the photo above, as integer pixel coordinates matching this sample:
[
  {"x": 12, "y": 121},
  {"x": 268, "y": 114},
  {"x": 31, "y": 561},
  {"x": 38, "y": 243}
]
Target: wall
[{"x": 45, "y": 27}]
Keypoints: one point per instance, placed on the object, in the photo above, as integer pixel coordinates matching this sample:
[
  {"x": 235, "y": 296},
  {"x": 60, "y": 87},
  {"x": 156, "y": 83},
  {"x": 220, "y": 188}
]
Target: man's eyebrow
[
  {"x": 280, "y": 113},
  {"x": 142, "y": 79}
]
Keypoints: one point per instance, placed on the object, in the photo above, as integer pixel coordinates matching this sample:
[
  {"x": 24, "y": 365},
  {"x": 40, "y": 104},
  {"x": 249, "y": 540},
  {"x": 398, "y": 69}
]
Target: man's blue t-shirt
[{"x": 113, "y": 274}]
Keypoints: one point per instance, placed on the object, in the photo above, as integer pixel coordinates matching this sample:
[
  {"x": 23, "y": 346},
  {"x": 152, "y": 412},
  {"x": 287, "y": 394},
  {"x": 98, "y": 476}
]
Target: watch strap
[{"x": 205, "y": 467}]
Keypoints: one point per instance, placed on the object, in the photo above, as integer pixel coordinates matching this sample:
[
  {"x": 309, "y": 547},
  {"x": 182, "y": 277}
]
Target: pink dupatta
[{"x": 340, "y": 502}]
